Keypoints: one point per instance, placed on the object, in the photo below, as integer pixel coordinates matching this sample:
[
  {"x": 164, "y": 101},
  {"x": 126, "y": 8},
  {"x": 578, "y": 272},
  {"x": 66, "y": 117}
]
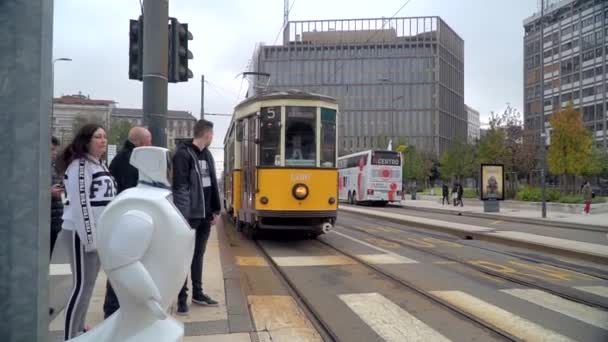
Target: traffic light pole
[{"x": 155, "y": 60}]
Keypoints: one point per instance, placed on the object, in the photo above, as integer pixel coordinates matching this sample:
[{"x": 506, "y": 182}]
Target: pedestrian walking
[
  {"x": 588, "y": 196},
  {"x": 126, "y": 176},
  {"x": 89, "y": 187},
  {"x": 460, "y": 192},
  {"x": 445, "y": 192},
  {"x": 455, "y": 194},
  {"x": 196, "y": 195}
]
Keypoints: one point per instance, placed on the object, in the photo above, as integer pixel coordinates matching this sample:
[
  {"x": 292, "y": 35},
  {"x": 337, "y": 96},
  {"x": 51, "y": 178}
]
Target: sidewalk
[
  {"x": 203, "y": 324},
  {"x": 596, "y": 220}
]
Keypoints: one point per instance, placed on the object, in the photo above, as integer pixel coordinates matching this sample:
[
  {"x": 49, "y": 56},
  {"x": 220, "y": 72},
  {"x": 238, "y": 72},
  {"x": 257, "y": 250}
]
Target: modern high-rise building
[
  {"x": 574, "y": 61},
  {"x": 399, "y": 78},
  {"x": 473, "y": 125}
]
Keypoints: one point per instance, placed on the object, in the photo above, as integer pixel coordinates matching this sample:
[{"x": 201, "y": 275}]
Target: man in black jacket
[
  {"x": 196, "y": 195},
  {"x": 126, "y": 176}
]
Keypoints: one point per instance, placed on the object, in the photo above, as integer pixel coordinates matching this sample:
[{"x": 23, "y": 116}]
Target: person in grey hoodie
[{"x": 196, "y": 195}]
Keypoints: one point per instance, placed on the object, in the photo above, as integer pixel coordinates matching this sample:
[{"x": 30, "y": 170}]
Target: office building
[
  {"x": 473, "y": 125},
  {"x": 575, "y": 65},
  {"x": 399, "y": 78}
]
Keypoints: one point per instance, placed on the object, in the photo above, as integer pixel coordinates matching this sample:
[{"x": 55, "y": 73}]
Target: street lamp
[{"x": 63, "y": 59}]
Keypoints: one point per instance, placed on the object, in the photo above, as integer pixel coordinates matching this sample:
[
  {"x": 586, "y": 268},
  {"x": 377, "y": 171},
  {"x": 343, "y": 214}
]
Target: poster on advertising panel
[{"x": 492, "y": 182}]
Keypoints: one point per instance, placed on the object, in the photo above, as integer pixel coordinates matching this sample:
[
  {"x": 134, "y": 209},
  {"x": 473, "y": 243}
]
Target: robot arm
[{"x": 127, "y": 243}]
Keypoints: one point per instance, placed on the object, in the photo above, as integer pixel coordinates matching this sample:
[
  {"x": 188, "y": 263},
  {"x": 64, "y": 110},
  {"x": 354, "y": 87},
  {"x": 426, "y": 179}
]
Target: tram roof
[{"x": 287, "y": 95}]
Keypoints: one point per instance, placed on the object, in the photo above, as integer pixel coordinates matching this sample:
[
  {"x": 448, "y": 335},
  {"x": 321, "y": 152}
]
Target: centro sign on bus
[{"x": 370, "y": 176}]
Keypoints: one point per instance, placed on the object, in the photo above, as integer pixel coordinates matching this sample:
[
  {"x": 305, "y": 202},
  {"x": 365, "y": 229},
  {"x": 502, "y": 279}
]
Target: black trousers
[
  {"x": 203, "y": 229},
  {"x": 55, "y": 230},
  {"x": 445, "y": 198}
]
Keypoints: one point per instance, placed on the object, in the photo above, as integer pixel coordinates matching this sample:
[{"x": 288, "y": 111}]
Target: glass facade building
[
  {"x": 400, "y": 78},
  {"x": 575, "y": 64}
]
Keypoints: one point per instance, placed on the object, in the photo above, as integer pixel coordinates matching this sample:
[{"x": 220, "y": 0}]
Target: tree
[
  {"x": 598, "y": 166},
  {"x": 119, "y": 131},
  {"x": 416, "y": 164},
  {"x": 459, "y": 161},
  {"x": 570, "y": 152},
  {"x": 492, "y": 147}
]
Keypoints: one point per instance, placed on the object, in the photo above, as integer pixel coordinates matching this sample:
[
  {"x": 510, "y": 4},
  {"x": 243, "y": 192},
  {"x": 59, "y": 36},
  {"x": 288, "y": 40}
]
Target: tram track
[
  {"x": 558, "y": 290},
  {"x": 324, "y": 328},
  {"x": 588, "y": 271},
  {"x": 327, "y": 334}
]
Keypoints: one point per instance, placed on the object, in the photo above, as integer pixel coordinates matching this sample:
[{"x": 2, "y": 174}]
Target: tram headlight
[
  {"x": 300, "y": 191},
  {"x": 332, "y": 200},
  {"x": 264, "y": 200}
]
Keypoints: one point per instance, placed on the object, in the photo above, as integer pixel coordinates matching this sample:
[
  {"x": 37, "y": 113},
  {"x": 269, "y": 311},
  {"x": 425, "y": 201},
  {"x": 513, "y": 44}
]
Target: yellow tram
[{"x": 280, "y": 170}]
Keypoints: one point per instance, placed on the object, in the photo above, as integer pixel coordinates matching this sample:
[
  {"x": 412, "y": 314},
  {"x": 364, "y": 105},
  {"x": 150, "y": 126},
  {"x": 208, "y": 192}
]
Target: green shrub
[
  {"x": 570, "y": 199},
  {"x": 470, "y": 193},
  {"x": 535, "y": 195}
]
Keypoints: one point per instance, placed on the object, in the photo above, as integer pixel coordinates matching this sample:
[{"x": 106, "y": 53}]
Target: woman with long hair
[{"x": 89, "y": 188}]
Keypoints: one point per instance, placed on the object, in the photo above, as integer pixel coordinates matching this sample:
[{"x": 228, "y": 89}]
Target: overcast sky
[{"x": 95, "y": 34}]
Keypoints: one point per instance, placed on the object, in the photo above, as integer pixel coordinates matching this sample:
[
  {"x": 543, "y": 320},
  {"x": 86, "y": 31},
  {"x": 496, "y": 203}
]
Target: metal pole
[
  {"x": 26, "y": 42},
  {"x": 155, "y": 59},
  {"x": 543, "y": 137},
  {"x": 202, "y": 96}
]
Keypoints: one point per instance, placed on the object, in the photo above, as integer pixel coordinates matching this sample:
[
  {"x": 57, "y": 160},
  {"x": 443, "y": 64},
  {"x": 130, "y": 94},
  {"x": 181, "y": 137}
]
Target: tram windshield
[{"x": 300, "y": 136}]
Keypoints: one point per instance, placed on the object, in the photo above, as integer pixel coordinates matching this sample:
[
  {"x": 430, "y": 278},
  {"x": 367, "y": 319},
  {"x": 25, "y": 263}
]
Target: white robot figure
[{"x": 145, "y": 247}]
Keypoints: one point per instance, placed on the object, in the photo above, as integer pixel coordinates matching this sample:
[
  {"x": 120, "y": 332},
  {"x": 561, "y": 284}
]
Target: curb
[
  {"x": 549, "y": 223},
  {"x": 482, "y": 233}
]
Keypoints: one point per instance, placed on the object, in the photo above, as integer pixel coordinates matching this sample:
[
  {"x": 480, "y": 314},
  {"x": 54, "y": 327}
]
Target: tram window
[
  {"x": 300, "y": 136},
  {"x": 328, "y": 137},
  {"x": 270, "y": 136}
]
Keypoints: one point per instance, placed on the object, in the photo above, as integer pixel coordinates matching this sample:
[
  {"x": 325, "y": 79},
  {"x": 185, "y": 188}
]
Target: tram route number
[{"x": 300, "y": 177}]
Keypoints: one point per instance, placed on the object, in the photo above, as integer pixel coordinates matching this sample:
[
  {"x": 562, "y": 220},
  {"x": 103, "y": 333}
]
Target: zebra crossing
[{"x": 393, "y": 323}]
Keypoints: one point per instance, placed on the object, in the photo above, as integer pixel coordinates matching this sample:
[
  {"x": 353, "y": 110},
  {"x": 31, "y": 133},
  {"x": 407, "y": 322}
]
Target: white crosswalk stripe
[
  {"x": 601, "y": 291},
  {"x": 394, "y": 255},
  {"x": 566, "y": 307},
  {"x": 388, "y": 320},
  {"x": 502, "y": 319}
]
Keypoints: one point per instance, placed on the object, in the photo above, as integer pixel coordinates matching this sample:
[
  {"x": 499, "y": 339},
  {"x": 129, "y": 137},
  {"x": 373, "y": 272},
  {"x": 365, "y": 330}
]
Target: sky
[{"x": 95, "y": 34}]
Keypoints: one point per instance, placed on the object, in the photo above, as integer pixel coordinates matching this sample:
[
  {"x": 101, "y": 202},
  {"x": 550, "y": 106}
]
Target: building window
[{"x": 589, "y": 91}]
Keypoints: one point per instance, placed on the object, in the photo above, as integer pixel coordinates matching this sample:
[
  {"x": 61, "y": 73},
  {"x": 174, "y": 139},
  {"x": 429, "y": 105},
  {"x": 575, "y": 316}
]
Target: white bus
[{"x": 370, "y": 176}]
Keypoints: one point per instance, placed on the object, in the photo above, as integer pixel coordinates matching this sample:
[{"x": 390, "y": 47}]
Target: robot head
[{"x": 153, "y": 163}]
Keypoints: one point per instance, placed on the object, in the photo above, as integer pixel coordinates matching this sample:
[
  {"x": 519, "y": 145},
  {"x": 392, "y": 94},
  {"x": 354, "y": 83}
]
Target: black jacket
[
  {"x": 56, "y": 204},
  {"x": 188, "y": 194},
  {"x": 125, "y": 174},
  {"x": 445, "y": 190}
]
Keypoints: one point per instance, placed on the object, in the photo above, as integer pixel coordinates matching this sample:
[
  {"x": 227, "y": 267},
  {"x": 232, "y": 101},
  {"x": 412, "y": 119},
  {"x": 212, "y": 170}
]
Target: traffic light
[
  {"x": 136, "y": 48},
  {"x": 178, "y": 52}
]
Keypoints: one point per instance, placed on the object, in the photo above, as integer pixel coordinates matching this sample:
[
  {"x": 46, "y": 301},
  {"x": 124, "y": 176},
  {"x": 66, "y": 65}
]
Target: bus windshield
[{"x": 389, "y": 158}]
